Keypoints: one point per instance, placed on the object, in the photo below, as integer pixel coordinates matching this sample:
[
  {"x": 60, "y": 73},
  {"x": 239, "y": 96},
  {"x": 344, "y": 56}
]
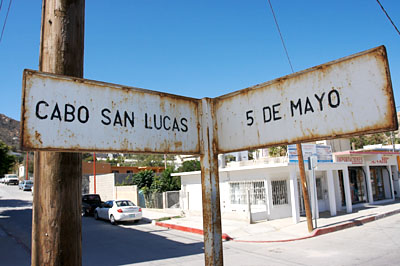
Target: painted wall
[
  {"x": 191, "y": 192},
  {"x": 104, "y": 186},
  {"x": 127, "y": 192}
]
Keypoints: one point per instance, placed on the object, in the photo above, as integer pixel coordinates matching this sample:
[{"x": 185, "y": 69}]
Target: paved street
[{"x": 375, "y": 243}]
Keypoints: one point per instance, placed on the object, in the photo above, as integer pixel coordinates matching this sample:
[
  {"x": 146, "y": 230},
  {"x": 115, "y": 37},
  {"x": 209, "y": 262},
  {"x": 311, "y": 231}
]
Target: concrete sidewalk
[{"x": 280, "y": 230}]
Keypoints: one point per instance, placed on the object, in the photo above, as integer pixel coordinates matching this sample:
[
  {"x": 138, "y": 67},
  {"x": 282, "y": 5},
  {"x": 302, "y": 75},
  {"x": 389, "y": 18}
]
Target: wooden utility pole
[
  {"x": 56, "y": 221},
  {"x": 27, "y": 166},
  {"x": 94, "y": 172},
  {"x": 304, "y": 187}
]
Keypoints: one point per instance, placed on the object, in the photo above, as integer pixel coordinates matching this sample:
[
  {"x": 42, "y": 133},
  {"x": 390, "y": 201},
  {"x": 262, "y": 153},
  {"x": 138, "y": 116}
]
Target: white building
[{"x": 355, "y": 177}]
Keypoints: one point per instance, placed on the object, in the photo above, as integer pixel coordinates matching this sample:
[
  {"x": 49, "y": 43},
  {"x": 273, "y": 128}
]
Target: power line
[
  {"x": 280, "y": 34},
  {"x": 5, "y": 20},
  {"x": 387, "y": 15},
  {"x": 1, "y": 4}
]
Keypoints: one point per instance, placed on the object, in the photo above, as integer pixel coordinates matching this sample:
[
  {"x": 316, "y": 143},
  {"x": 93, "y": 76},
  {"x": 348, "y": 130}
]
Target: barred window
[
  {"x": 238, "y": 192},
  {"x": 279, "y": 192}
]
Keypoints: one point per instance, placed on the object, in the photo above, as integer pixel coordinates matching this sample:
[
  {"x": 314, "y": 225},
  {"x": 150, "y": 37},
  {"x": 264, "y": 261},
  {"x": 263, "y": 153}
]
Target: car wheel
[
  {"x": 112, "y": 219},
  {"x": 96, "y": 215},
  {"x": 83, "y": 212}
]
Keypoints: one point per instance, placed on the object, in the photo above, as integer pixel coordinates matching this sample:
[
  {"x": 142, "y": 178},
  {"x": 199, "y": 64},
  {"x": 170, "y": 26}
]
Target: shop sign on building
[
  {"x": 356, "y": 160},
  {"x": 384, "y": 160},
  {"x": 322, "y": 152}
]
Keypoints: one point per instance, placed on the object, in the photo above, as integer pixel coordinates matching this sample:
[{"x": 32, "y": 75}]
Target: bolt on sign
[
  {"x": 65, "y": 113},
  {"x": 349, "y": 96}
]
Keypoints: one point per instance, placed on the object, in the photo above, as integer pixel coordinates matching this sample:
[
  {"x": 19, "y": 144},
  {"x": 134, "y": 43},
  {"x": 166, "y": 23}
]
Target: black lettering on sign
[
  {"x": 68, "y": 115},
  {"x": 147, "y": 124},
  {"x": 83, "y": 114},
  {"x": 56, "y": 113},
  {"x": 295, "y": 107},
  {"x": 276, "y": 112},
  {"x": 308, "y": 107},
  {"x": 319, "y": 99},
  {"x": 268, "y": 109},
  {"x": 249, "y": 117},
  {"x": 155, "y": 122},
  {"x": 130, "y": 118},
  {"x": 117, "y": 119},
  {"x": 161, "y": 122},
  {"x": 271, "y": 113},
  {"x": 175, "y": 126},
  {"x": 169, "y": 127},
  {"x": 108, "y": 119},
  {"x": 333, "y": 98},
  {"x": 69, "y": 111},
  {"x": 333, "y": 101},
  {"x": 38, "y": 111},
  {"x": 184, "y": 124}
]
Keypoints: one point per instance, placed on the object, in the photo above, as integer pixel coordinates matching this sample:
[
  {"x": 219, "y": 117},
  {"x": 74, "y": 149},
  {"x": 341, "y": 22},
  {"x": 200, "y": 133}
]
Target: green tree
[
  {"x": 143, "y": 179},
  {"x": 166, "y": 182},
  {"x": 151, "y": 159},
  {"x": 364, "y": 140},
  {"x": 251, "y": 154},
  {"x": 87, "y": 157},
  {"x": 230, "y": 158},
  {"x": 189, "y": 166},
  {"x": 277, "y": 151},
  {"x": 7, "y": 161}
]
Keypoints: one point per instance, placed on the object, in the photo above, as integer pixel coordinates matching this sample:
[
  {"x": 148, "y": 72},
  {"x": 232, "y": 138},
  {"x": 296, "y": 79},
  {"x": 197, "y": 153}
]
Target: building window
[
  {"x": 279, "y": 192},
  {"x": 238, "y": 192}
]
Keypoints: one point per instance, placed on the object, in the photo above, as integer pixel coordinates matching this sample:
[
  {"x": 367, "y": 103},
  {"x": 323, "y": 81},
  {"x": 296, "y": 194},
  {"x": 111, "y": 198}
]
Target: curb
[
  {"x": 189, "y": 229},
  {"x": 322, "y": 231},
  {"x": 317, "y": 232}
]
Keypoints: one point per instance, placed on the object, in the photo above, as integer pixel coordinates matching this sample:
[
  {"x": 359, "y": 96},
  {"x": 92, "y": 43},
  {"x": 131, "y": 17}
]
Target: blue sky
[{"x": 201, "y": 48}]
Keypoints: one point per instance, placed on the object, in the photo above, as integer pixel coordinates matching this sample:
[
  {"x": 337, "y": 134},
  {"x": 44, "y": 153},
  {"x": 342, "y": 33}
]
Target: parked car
[
  {"x": 89, "y": 203},
  {"x": 25, "y": 185},
  {"x": 118, "y": 211},
  {"x": 11, "y": 179}
]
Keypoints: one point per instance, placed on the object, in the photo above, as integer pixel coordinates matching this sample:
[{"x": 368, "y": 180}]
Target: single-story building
[{"x": 273, "y": 184}]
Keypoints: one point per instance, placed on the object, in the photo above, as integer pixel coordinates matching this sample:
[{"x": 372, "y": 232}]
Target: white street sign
[
  {"x": 65, "y": 113},
  {"x": 345, "y": 97},
  {"x": 349, "y": 96}
]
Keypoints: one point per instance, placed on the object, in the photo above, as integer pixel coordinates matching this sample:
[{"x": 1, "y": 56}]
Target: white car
[{"x": 118, "y": 211}]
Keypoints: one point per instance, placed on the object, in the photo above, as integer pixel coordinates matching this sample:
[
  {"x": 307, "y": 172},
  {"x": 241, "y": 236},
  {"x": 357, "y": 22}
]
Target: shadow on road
[
  {"x": 14, "y": 203},
  {"x": 106, "y": 244},
  {"x": 102, "y": 243},
  {"x": 16, "y": 222}
]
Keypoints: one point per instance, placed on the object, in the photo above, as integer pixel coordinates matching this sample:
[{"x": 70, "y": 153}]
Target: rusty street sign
[
  {"x": 65, "y": 113},
  {"x": 349, "y": 96}
]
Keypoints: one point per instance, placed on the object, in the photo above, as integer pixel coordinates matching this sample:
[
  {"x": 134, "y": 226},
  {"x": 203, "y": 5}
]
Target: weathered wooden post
[{"x": 56, "y": 223}]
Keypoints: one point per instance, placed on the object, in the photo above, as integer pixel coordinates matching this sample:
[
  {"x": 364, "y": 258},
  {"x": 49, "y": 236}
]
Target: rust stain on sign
[
  {"x": 72, "y": 114},
  {"x": 346, "y": 97}
]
